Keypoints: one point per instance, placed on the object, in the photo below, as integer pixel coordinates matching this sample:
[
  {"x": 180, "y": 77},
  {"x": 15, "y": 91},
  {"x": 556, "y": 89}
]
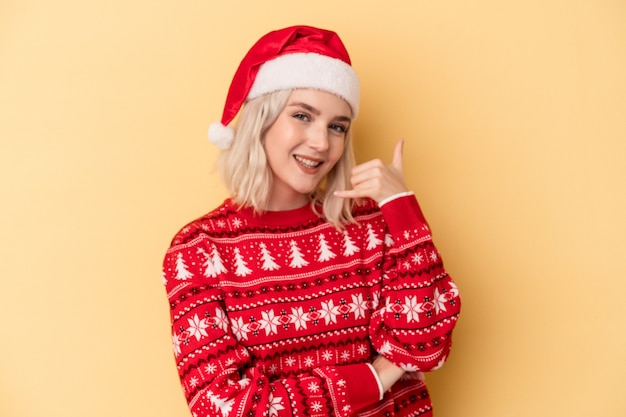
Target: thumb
[{"x": 397, "y": 155}]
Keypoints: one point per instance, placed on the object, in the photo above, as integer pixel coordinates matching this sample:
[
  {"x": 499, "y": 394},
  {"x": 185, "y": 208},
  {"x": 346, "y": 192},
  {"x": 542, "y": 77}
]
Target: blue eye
[
  {"x": 338, "y": 128},
  {"x": 302, "y": 116}
]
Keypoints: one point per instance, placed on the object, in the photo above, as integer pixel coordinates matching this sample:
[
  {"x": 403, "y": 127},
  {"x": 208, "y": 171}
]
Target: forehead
[{"x": 323, "y": 101}]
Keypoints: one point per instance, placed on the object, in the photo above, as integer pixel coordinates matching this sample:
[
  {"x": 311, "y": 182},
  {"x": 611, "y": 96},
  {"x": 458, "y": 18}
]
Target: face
[{"x": 304, "y": 144}]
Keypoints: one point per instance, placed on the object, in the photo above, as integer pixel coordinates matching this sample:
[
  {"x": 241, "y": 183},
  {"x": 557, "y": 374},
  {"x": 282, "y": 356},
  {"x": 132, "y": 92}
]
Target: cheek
[{"x": 337, "y": 150}]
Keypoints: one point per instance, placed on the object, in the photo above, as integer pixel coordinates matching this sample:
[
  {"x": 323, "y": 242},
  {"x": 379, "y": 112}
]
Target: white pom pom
[{"x": 220, "y": 135}]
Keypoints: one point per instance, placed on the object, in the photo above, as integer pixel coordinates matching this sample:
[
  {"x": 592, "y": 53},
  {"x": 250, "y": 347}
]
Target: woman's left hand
[{"x": 377, "y": 180}]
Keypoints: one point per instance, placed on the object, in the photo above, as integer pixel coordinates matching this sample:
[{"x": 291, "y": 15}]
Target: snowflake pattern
[
  {"x": 176, "y": 343},
  {"x": 439, "y": 364},
  {"x": 316, "y": 406},
  {"x": 220, "y": 321},
  {"x": 329, "y": 312},
  {"x": 244, "y": 382},
  {"x": 298, "y": 318},
  {"x": 409, "y": 368},
  {"x": 197, "y": 328},
  {"x": 417, "y": 258},
  {"x": 412, "y": 309},
  {"x": 269, "y": 322},
  {"x": 314, "y": 387},
  {"x": 239, "y": 329},
  {"x": 358, "y": 306},
  {"x": 276, "y": 405}
]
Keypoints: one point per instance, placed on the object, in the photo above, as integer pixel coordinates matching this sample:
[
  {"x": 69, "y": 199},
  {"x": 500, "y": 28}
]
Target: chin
[
  {"x": 305, "y": 190},
  {"x": 304, "y": 187}
]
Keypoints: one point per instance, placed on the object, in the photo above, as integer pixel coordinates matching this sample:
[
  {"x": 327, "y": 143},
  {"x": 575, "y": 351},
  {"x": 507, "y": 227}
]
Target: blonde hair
[{"x": 247, "y": 175}]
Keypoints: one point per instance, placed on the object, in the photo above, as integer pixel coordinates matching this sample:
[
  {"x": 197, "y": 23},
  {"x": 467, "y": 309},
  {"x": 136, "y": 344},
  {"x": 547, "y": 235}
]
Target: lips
[{"x": 308, "y": 163}]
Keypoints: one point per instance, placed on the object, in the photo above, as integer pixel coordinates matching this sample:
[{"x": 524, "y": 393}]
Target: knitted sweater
[{"x": 281, "y": 314}]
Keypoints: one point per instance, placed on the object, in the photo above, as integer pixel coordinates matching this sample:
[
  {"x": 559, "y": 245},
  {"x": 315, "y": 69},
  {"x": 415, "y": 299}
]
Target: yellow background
[{"x": 514, "y": 114}]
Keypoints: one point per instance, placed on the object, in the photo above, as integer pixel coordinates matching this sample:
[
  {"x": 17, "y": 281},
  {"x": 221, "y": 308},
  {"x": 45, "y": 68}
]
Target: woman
[{"x": 315, "y": 289}]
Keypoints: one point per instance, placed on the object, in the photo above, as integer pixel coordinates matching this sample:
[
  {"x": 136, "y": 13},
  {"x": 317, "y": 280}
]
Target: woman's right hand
[
  {"x": 388, "y": 373},
  {"x": 376, "y": 179}
]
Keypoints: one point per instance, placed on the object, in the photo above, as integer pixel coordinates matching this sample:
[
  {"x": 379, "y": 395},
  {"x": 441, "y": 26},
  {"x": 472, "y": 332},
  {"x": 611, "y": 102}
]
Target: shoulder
[{"x": 212, "y": 224}]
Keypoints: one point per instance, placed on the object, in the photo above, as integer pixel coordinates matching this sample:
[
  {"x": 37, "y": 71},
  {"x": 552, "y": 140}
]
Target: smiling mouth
[{"x": 307, "y": 163}]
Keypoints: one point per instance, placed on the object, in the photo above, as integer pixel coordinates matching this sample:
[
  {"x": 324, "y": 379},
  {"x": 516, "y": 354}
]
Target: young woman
[{"x": 315, "y": 289}]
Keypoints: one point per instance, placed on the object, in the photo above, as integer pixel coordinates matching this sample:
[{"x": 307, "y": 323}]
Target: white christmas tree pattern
[
  {"x": 209, "y": 269},
  {"x": 324, "y": 250},
  {"x": 388, "y": 240},
  {"x": 242, "y": 268},
  {"x": 221, "y": 404},
  {"x": 268, "y": 260},
  {"x": 297, "y": 260},
  {"x": 217, "y": 261},
  {"x": 182, "y": 272},
  {"x": 372, "y": 238},
  {"x": 349, "y": 248}
]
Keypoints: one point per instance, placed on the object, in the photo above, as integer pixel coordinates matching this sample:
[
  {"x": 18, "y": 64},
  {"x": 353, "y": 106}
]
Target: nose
[{"x": 318, "y": 138}]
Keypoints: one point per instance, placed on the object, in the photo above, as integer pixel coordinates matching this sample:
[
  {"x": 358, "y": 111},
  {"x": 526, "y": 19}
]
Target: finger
[
  {"x": 372, "y": 174},
  {"x": 349, "y": 194},
  {"x": 397, "y": 155},
  {"x": 367, "y": 166}
]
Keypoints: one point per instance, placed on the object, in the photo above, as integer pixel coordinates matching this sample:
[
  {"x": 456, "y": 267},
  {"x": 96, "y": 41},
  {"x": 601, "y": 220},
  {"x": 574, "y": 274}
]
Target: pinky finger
[{"x": 347, "y": 194}]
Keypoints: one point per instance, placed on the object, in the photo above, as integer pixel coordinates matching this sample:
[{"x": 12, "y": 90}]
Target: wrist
[
  {"x": 393, "y": 197},
  {"x": 387, "y": 372}
]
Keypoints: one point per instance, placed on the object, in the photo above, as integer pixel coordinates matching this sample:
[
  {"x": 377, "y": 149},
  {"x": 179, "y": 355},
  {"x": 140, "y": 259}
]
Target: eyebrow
[{"x": 315, "y": 111}]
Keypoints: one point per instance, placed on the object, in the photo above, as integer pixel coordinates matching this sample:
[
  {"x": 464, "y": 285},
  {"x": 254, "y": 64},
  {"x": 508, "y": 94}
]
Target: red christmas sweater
[{"x": 280, "y": 314}]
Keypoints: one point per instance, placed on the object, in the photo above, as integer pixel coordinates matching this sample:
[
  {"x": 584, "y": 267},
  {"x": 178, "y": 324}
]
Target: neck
[{"x": 278, "y": 204}]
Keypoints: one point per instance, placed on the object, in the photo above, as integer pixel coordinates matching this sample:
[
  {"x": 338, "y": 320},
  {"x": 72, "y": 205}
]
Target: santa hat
[{"x": 294, "y": 57}]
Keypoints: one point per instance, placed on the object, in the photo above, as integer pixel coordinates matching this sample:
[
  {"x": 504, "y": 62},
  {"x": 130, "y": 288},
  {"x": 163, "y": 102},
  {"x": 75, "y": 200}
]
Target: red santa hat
[{"x": 294, "y": 57}]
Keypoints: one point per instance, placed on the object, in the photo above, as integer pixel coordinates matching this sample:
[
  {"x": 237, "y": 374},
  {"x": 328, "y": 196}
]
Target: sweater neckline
[{"x": 291, "y": 217}]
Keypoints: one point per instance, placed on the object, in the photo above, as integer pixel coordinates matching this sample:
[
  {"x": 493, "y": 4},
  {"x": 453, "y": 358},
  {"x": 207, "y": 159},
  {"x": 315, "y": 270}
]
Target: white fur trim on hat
[
  {"x": 308, "y": 70},
  {"x": 220, "y": 135}
]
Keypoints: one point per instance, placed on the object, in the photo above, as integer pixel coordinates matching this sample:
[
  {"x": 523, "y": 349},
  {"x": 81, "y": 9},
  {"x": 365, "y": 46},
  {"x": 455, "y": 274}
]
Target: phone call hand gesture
[{"x": 377, "y": 180}]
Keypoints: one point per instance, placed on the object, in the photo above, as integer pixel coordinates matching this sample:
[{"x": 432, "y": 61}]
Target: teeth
[{"x": 307, "y": 162}]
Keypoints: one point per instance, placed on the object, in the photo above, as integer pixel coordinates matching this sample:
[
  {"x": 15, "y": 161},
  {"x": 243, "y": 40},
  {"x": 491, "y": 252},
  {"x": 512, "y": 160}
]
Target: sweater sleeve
[
  {"x": 217, "y": 372},
  {"x": 412, "y": 326}
]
